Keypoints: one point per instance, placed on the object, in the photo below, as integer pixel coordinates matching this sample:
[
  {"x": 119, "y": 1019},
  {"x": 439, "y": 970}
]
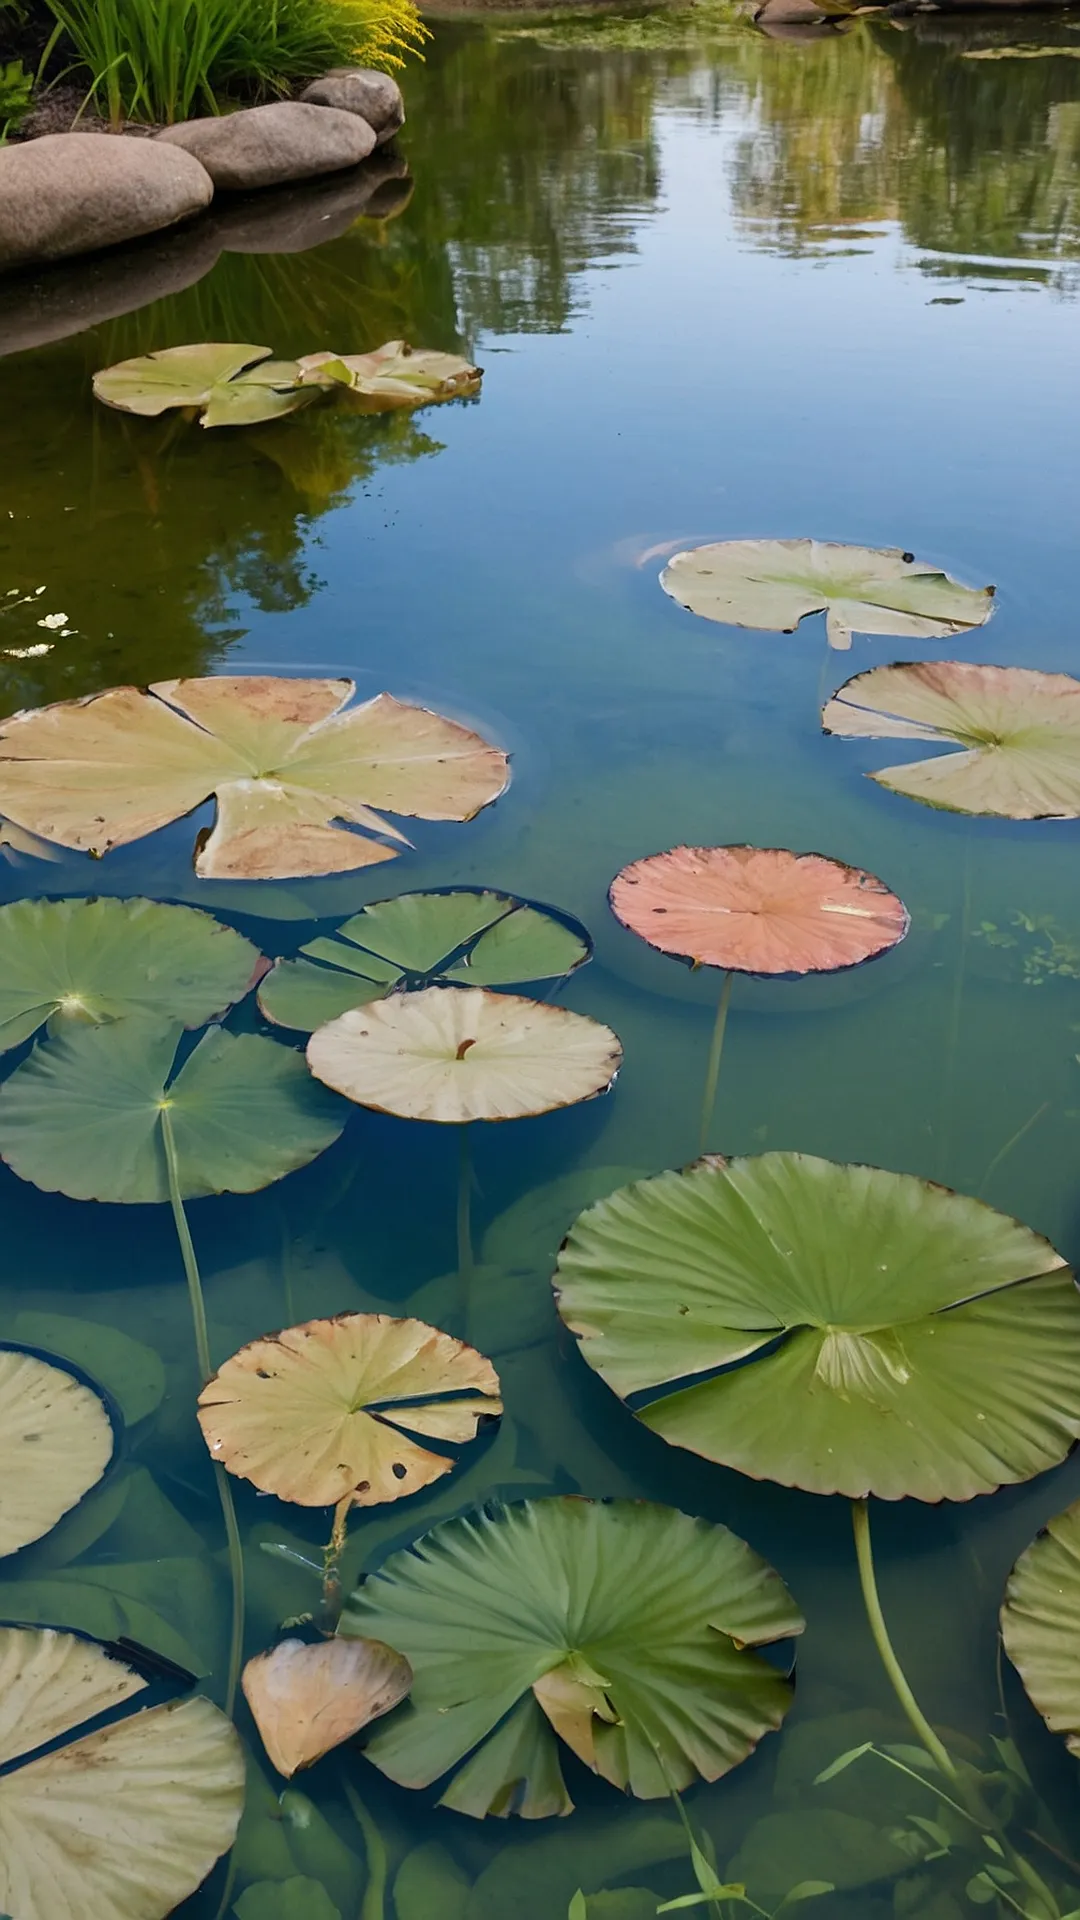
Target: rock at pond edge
[
  {"x": 268, "y": 146},
  {"x": 375, "y": 96},
  {"x": 72, "y": 193}
]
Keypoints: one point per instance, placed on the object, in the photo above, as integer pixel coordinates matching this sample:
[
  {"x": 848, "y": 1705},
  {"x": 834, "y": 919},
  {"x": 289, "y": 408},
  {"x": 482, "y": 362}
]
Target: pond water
[{"x": 721, "y": 286}]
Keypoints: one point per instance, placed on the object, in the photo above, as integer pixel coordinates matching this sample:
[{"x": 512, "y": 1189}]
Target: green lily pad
[
  {"x": 627, "y": 1630},
  {"x": 783, "y": 1849},
  {"x": 899, "y": 1339},
  {"x": 83, "y": 1116},
  {"x": 776, "y": 583},
  {"x": 296, "y": 1899},
  {"x": 223, "y": 381},
  {"x": 71, "y": 961},
  {"x": 478, "y": 937},
  {"x": 56, "y": 1440},
  {"x": 1040, "y": 1623}
]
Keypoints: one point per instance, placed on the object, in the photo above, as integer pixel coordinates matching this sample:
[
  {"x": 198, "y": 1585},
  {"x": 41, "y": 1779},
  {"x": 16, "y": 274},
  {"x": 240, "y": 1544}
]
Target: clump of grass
[{"x": 165, "y": 60}]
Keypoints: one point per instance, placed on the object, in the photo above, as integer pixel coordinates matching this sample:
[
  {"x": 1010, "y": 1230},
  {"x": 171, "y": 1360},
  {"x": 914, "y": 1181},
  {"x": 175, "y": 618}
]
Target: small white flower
[
  {"x": 54, "y": 621},
  {"x": 28, "y": 653}
]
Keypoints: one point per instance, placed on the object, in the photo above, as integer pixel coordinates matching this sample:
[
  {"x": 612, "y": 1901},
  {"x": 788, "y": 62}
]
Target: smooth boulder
[
  {"x": 269, "y": 146},
  {"x": 71, "y": 193},
  {"x": 364, "y": 91}
]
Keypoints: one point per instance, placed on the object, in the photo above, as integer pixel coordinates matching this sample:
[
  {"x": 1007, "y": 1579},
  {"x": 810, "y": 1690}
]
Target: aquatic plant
[
  {"x": 760, "y": 910},
  {"x": 286, "y": 760},
  {"x": 1040, "y": 1618},
  {"x": 629, "y": 1631},
  {"x": 56, "y": 1442},
  {"x": 306, "y": 1700},
  {"x": 466, "y": 935},
  {"x": 1020, "y": 730},
  {"x": 777, "y": 583}
]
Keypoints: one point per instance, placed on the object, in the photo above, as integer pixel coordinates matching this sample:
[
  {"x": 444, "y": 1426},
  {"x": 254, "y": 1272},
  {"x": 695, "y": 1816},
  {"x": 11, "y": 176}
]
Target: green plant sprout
[{"x": 1049, "y": 952}]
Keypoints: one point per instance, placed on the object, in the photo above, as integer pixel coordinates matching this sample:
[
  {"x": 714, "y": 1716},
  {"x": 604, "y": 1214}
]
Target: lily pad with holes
[
  {"x": 228, "y": 385},
  {"x": 121, "y": 1824},
  {"x": 627, "y": 1630},
  {"x": 286, "y": 760},
  {"x": 330, "y": 1409},
  {"x": 482, "y": 938},
  {"x": 1040, "y": 1623},
  {"x": 1019, "y": 731},
  {"x": 64, "y": 961},
  {"x": 56, "y": 1440},
  {"x": 306, "y": 1700},
  {"x": 758, "y": 910},
  {"x": 897, "y": 1339},
  {"x": 776, "y": 583},
  {"x": 84, "y": 1115},
  {"x": 454, "y": 1054},
  {"x": 394, "y": 375}
]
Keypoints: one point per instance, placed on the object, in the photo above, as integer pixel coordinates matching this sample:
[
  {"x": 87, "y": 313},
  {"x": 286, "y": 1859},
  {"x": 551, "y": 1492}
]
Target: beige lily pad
[
  {"x": 56, "y": 1440},
  {"x": 1020, "y": 731},
  {"x": 287, "y": 760},
  {"x": 394, "y": 375},
  {"x": 124, "y": 1823},
  {"x": 222, "y": 380},
  {"x": 454, "y": 1054},
  {"x": 306, "y": 1700},
  {"x": 329, "y": 1409},
  {"x": 776, "y": 583}
]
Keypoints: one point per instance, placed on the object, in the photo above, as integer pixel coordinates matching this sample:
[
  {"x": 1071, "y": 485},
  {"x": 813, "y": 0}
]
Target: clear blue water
[{"x": 720, "y": 286}]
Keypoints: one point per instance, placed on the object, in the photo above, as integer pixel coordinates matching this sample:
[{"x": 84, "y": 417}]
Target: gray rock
[
  {"x": 789, "y": 13},
  {"x": 268, "y": 146},
  {"x": 363, "y": 90},
  {"x": 71, "y": 193},
  {"x": 294, "y": 219},
  {"x": 53, "y": 302}
]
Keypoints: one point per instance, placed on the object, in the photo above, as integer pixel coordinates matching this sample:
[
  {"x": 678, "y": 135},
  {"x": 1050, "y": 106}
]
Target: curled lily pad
[
  {"x": 329, "y": 1410},
  {"x": 67, "y": 961},
  {"x": 758, "y": 909},
  {"x": 394, "y": 375},
  {"x": 284, "y": 758},
  {"x": 627, "y": 1630},
  {"x": 83, "y": 1115},
  {"x": 224, "y": 381},
  {"x": 305, "y": 1700},
  {"x": 776, "y": 583},
  {"x": 121, "y": 1824},
  {"x": 1040, "y": 1623},
  {"x": 482, "y": 938},
  {"x": 897, "y": 1339},
  {"x": 1020, "y": 730},
  {"x": 454, "y": 1054},
  {"x": 56, "y": 1440}
]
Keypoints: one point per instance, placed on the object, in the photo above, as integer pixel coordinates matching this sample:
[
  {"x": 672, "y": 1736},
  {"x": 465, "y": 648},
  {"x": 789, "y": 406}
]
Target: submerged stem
[
  {"x": 331, "y": 1578},
  {"x": 860, "y": 1517},
  {"x": 464, "y": 1214},
  {"x": 373, "y": 1906},
  {"x": 712, "y": 1072},
  {"x": 202, "y": 1349}
]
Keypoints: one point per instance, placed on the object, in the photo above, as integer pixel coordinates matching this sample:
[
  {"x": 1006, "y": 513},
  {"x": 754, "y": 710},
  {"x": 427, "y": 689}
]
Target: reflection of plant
[{"x": 1049, "y": 951}]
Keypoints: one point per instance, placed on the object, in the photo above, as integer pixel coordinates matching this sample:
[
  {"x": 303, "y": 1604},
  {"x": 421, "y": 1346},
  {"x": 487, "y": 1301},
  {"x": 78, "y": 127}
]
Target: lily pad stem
[
  {"x": 712, "y": 1072},
  {"x": 860, "y": 1516},
  {"x": 464, "y": 1212},
  {"x": 202, "y": 1349},
  {"x": 331, "y": 1578},
  {"x": 373, "y": 1906}
]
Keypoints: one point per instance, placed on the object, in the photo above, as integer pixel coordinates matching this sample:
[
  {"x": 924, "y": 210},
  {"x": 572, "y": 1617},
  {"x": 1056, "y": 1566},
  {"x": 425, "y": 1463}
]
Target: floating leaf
[
  {"x": 484, "y": 939},
  {"x": 83, "y": 1115},
  {"x": 306, "y": 1700},
  {"x": 776, "y": 583},
  {"x": 1040, "y": 1623},
  {"x": 782, "y": 1850},
  {"x": 296, "y": 1899},
  {"x": 329, "y": 1408},
  {"x": 429, "y": 1881},
  {"x": 210, "y": 377},
  {"x": 282, "y": 757},
  {"x": 394, "y": 375},
  {"x": 902, "y": 1339},
  {"x": 1020, "y": 729},
  {"x": 124, "y": 1823},
  {"x": 453, "y": 1054},
  {"x": 99, "y": 960},
  {"x": 758, "y": 909},
  {"x": 131, "y": 1372},
  {"x": 56, "y": 1440},
  {"x": 626, "y": 1629}
]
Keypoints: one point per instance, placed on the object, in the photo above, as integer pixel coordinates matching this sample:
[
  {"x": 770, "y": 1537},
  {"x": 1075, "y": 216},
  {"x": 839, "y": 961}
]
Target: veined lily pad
[
  {"x": 328, "y": 1409},
  {"x": 482, "y": 938},
  {"x": 1040, "y": 1623},
  {"x": 776, "y": 583},
  {"x": 758, "y": 909},
  {"x": 83, "y": 1115},
  {"x": 454, "y": 1054},
  {"x": 98, "y": 960},
  {"x": 124, "y": 1823},
  {"x": 899, "y": 1339},
  {"x": 1020, "y": 729},
  {"x": 56, "y": 1440},
  {"x": 225, "y": 382},
  {"x": 282, "y": 757},
  {"x": 628, "y": 1630},
  {"x": 305, "y": 1700},
  {"x": 394, "y": 375}
]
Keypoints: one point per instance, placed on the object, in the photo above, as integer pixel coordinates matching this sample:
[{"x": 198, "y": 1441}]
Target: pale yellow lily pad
[
  {"x": 306, "y": 1700},
  {"x": 56, "y": 1440},
  {"x": 394, "y": 375}
]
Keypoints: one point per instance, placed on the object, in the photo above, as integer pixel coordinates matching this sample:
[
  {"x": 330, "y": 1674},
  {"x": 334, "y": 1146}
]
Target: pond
[{"x": 721, "y": 286}]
